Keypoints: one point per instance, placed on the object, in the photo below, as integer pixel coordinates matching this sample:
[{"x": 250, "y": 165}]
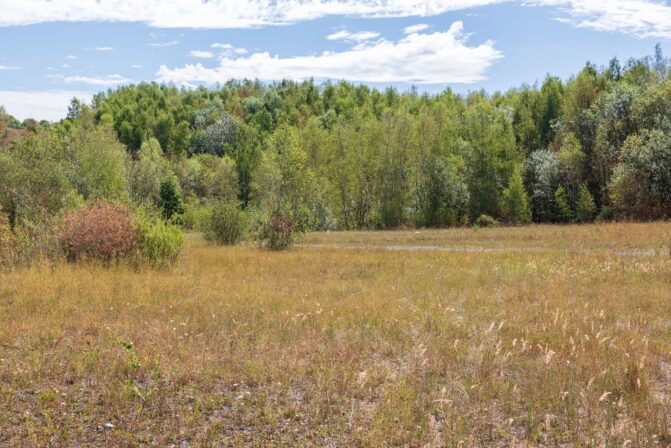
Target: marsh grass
[{"x": 240, "y": 346}]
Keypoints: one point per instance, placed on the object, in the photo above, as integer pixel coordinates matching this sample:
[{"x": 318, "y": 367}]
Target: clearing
[{"x": 551, "y": 335}]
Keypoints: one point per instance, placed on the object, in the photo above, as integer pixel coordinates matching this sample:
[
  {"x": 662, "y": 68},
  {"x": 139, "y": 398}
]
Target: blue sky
[{"x": 53, "y": 50}]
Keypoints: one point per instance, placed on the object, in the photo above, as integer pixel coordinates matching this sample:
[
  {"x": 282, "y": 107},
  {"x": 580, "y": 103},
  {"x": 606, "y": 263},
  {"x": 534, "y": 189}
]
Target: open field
[{"x": 559, "y": 337}]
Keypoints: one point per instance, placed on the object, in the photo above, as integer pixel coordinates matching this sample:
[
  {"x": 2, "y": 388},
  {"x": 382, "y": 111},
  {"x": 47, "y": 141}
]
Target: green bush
[
  {"x": 486, "y": 221},
  {"x": 279, "y": 231},
  {"x": 195, "y": 214},
  {"x": 159, "y": 243},
  {"x": 7, "y": 241},
  {"x": 226, "y": 224}
]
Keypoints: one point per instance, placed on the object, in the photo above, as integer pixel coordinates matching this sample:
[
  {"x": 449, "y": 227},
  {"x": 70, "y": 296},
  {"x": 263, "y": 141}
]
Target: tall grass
[{"x": 237, "y": 346}]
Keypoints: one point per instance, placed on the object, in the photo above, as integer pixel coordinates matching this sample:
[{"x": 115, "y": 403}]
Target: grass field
[{"x": 553, "y": 336}]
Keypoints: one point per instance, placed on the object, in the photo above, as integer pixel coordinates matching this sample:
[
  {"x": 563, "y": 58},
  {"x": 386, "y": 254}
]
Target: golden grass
[{"x": 330, "y": 347}]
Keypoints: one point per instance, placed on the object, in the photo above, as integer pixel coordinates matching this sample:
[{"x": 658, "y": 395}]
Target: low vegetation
[{"x": 545, "y": 335}]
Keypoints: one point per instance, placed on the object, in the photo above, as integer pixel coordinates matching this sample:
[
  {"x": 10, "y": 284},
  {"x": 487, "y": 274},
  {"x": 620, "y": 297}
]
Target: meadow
[{"x": 528, "y": 336}]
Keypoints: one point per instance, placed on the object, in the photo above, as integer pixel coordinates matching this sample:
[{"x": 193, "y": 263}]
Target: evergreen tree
[
  {"x": 585, "y": 206},
  {"x": 516, "y": 201},
  {"x": 563, "y": 209},
  {"x": 172, "y": 207}
]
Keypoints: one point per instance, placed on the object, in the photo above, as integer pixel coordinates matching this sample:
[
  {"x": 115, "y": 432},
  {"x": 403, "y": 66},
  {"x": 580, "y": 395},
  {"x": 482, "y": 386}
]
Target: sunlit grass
[{"x": 324, "y": 346}]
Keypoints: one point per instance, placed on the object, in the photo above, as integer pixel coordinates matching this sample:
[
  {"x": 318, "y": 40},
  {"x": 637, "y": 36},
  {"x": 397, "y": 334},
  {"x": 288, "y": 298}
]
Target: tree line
[{"x": 345, "y": 156}]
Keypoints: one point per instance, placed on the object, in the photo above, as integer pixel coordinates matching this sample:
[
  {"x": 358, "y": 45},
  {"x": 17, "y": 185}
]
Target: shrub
[
  {"x": 280, "y": 231},
  {"x": 7, "y": 241},
  {"x": 485, "y": 221},
  {"x": 100, "y": 231},
  {"x": 159, "y": 243},
  {"x": 226, "y": 224},
  {"x": 195, "y": 214}
]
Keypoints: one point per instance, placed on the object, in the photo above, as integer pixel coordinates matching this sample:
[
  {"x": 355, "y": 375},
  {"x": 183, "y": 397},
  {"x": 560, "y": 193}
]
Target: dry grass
[{"x": 329, "y": 347}]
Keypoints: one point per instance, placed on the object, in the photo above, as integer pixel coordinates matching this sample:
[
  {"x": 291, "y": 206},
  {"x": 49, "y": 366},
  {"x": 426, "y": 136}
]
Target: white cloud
[
  {"x": 44, "y": 105},
  {"x": 218, "y": 13},
  {"x": 136, "y": 66},
  {"x": 104, "y": 48},
  {"x": 71, "y": 56},
  {"x": 164, "y": 44},
  {"x": 641, "y": 18},
  {"x": 105, "y": 81},
  {"x": 415, "y": 28},
  {"x": 436, "y": 58},
  {"x": 201, "y": 54},
  {"x": 6, "y": 68},
  {"x": 228, "y": 49},
  {"x": 65, "y": 66},
  {"x": 222, "y": 46},
  {"x": 353, "y": 37}
]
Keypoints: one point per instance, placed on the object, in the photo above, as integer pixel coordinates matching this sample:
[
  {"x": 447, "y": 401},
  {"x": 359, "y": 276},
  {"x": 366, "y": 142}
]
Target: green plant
[
  {"x": 172, "y": 207},
  {"x": 195, "y": 214},
  {"x": 159, "y": 243},
  {"x": 563, "y": 209},
  {"x": 7, "y": 241},
  {"x": 516, "y": 201},
  {"x": 225, "y": 224},
  {"x": 585, "y": 208},
  {"x": 486, "y": 221}
]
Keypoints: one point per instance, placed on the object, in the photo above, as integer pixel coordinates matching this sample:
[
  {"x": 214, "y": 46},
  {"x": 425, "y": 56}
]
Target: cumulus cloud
[
  {"x": 353, "y": 37},
  {"x": 104, "y": 48},
  {"x": 436, "y": 58},
  {"x": 218, "y": 13},
  {"x": 41, "y": 105},
  {"x": 6, "y": 68},
  {"x": 641, "y": 18}
]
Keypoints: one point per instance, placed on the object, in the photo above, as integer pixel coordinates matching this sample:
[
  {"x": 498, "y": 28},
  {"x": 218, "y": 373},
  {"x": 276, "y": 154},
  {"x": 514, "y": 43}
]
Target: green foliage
[
  {"x": 641, "y": 185},
  {"x": 7, "y": 241},
  {"x": 226, "y": 223},
  {"x": 342, "y": 156},
  {"x": 159, "y": 243},
  {"x": 170, "y": 201},
  {"x": 99, "y": 168},
  {"x": 485, "y": 221},
  {"x": 585, "y": 208},
  {"x": 515, "y": 200},
  {"x": 195, "y": 214},
  {"x": 542, "y": 174},
  {"x": 564, "y": 213},
  {"x": 146, "y": 173}
]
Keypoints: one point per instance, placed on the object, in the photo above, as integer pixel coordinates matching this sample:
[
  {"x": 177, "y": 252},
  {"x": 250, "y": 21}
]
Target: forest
[{"x": 343, "y": 156}]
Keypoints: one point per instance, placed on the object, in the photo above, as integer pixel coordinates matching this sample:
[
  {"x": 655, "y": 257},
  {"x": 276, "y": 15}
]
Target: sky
[{"x": 54, "y": 50}]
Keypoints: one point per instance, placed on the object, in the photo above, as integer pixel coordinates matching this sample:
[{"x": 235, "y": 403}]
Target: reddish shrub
[{"x": 102, "y": 231}]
